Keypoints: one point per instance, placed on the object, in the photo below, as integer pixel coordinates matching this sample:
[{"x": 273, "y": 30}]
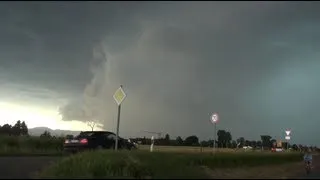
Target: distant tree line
[
  {"x": 18, "y": 129},
  {"x": 224, "y": 139}
]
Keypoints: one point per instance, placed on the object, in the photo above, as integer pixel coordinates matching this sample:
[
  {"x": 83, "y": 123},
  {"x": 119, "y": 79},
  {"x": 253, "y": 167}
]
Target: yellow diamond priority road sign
[{"x": 119, "y": 96}]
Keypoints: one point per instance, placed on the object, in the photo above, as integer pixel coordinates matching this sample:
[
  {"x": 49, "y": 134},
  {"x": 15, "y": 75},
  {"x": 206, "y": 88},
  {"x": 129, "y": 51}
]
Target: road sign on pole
[
  {"x": 118, "y": 96},
  {"x": 214, "y": 119},
  {"x": 288, "y": 132}
]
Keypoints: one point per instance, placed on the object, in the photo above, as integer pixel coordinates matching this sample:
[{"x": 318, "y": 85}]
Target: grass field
[
  {"x": 12, "y": 145},
  {"x": 142, "y": 164},
  {"x": 192, "y": 149},
  {"x": 164, "y": 162}
]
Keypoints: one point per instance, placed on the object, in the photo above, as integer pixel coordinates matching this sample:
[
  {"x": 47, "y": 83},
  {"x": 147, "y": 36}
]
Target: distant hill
[{"x": 37, "y": 131}]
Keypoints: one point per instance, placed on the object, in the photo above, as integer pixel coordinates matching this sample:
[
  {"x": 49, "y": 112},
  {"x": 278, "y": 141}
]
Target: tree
[
  {"x": 211, "y": 142},
  {"x": 259, "y": 144},
  {"x": 234, "y": 144},
  {"x": 253, "y": 143},
  {"x": 16, "y": 129},
  {"x": 167, "y": 139},
  {"x": 24, "y": 129},
  {"x": 224, "y": 138},
  {"x": 45, "y": 134},
  {"x": 179, "y": 141},
  {"x": 204, "y": 143},
  {"x": 221, "y": 137},
  {"x": 191, "y": 141},
  {"x": 284, "y": 145},
  {"x": 273, "y": 142},
  {"x": 295, "y": 147},
  {"x": 300, "y": 147},
  {"x": 266, "y": 141},
  {"x": 228, "y": 138},
  {"x": 6, "y": 129},
  {"x": 91, "y": 124},
  {"x": 241, "y": 141}
]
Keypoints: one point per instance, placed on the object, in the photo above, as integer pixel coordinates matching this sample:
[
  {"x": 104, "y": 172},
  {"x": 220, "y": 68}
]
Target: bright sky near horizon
[{"x": 37, "y": 117}]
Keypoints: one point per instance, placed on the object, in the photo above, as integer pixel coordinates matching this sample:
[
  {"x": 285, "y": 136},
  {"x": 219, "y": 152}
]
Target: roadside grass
[
  {"x": 279, "y": 171},
  {"x": 29, "y": 152},
  {"x": 197, "y": 149},
  {"x": 23, "y": 146},
  {"x": 142, "y": 164},
  {"x": 20, "y": 146}
]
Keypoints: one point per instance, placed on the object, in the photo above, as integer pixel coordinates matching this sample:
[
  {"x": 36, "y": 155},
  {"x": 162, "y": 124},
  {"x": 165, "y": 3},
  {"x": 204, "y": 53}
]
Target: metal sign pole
[
  {"x": 118, "y": 123},
  {"x": 288, "y": 132},
  {"x": 214, "y": 120},
  {"x": 151, "y": 145},
  {"x": 215, "y": 134}
]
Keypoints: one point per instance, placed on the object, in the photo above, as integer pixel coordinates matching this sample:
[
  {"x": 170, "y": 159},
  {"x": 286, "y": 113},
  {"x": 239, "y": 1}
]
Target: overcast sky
[{"x": 255, "y": 63}]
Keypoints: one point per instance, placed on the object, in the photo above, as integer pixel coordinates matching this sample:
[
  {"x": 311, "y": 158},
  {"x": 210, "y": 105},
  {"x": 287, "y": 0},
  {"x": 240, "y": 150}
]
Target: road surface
[{"x": 23, "y": 167}]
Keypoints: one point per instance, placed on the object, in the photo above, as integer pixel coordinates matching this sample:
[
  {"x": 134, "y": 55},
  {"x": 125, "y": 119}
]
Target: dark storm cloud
[{"x": 178, "y": 62}]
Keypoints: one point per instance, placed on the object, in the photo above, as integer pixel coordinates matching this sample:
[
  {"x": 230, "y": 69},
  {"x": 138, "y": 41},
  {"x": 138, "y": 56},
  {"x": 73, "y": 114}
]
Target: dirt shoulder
[{"x": 284, "y": 171}]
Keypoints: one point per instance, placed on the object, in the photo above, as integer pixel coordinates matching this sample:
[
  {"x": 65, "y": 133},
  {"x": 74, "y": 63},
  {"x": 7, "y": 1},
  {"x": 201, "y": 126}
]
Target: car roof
[{"x": 102, "y": 132}]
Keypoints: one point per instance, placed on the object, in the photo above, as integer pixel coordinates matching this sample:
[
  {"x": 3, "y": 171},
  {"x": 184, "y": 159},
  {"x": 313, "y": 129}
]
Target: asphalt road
[{"x": 23, "y": 167}]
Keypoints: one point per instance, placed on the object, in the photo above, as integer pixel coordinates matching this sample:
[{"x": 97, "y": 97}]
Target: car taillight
[{"x": 83, "y": 141}]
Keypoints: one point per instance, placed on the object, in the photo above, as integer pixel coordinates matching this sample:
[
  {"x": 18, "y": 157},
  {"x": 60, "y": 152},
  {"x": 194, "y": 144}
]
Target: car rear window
[
  {"x": 85, "y": 134},
  {"x": 93, "y": 134}
]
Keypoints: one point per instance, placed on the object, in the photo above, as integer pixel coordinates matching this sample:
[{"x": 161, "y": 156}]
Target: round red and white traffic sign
[{"x": 214, "y": 118}]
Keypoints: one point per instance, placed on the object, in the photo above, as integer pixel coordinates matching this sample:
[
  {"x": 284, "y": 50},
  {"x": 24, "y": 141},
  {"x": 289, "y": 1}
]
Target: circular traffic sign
[{"x": 214, "y": 118}]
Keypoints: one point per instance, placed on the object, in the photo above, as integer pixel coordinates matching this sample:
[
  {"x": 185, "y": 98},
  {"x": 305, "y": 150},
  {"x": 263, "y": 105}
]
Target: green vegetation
[
  {"x": 28, "y": 145},
  {"x": 15, "y": 138},
  {"x": 15, "y": 141},
  {"x": 140, "y": 164},
  {"x": 185, "y": 159}
]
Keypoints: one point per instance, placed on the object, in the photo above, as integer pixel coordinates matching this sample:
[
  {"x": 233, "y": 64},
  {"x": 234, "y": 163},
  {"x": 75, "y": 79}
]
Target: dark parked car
[{"x": 95, "y": 140}]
